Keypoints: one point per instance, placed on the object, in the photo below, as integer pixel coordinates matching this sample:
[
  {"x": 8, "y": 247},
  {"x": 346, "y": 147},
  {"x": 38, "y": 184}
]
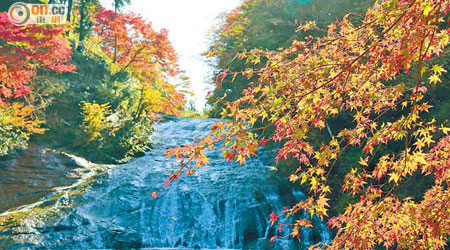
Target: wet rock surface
[{"x": 28, "y": 175}]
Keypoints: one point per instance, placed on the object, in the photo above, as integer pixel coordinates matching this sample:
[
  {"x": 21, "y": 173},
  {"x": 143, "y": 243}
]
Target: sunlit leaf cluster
[{"x": 96, "y": 119}]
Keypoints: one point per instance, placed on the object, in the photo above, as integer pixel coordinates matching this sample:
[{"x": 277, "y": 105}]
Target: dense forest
[
  {"x": 351, "y": 96},
  {"x": 92, "y": 86}
]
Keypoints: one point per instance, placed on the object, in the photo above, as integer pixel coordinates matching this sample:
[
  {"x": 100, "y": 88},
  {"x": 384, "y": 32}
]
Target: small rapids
[{"x": 223, "y": 206}]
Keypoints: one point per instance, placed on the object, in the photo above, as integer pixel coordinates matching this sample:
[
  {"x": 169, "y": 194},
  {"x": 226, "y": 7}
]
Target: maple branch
[
  {"x": 360, "y": 56},
  {"x": 132, "y": 59},
  {"x": 419, "y": 72}
]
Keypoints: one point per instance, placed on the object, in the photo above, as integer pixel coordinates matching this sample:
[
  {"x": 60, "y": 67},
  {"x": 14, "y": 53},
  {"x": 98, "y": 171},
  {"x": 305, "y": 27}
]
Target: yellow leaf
[
  {"x": 363, "y": 162},
  {"x": 445, "y": 130},
  {"x": 394, "y": 177},
  {"x": 434, "y": 79},
  {"x": 427, "y": 9},
  {"x": 438, "y": 69},
  {"x": 423, "y": 70},
  {"x": 404, "y": 104}
]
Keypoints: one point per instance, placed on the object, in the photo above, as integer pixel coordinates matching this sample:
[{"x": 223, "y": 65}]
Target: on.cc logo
[{"x": 19, "y": 13}]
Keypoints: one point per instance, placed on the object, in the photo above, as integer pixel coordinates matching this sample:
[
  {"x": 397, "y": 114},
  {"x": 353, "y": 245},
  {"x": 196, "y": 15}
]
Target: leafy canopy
[
  {"x": 134, "y": 47},
  {"x": 28, "y": 54},
  {"x": 26, "y": 49}
]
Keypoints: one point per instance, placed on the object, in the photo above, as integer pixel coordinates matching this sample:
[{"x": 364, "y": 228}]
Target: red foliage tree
[
  {"x": 24, "y": 51},
  {"x": 148, "y": 55},
  {"x": 133, "y": 44}
]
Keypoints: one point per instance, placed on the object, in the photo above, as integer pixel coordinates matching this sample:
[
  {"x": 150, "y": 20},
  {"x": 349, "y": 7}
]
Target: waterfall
[{"x": 223, "y": 206}]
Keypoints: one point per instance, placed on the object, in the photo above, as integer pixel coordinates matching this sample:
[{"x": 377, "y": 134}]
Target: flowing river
[{"x": 223, "y": 206}]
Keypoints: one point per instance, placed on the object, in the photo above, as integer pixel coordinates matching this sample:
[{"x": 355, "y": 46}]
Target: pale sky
[{"x": 188, "y": 22}]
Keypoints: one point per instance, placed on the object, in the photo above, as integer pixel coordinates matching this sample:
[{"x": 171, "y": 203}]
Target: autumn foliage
[
  {"x": 132, "y": 43},
  {"x": 96, "y": 119},
  {"x": 352, "y": 69},
  {"x": 123, "y": 81},
  {"x": 25, "y": 50},
  {"x": 135, "y": 47},
  {"x": 27, "y": 55}
]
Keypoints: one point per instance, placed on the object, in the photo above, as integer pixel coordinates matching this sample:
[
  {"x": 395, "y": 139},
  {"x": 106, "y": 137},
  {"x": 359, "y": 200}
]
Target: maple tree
[
  {"x": 352, "y": 69},
  {"x": 27, "y": 55},
  {"x": 146, "y": 54},
  {"x": 24, "y": 50},
  {"x": 132, "y": 43},
  {"x": 254, "y": 24},
  {"x": 263, "y": 24}
]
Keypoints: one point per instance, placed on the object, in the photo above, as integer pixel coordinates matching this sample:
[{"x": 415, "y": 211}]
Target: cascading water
[{"x": 223, "y": 206}]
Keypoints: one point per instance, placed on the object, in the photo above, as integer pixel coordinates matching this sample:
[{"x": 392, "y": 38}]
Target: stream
[{"x": 223, "y": 206}]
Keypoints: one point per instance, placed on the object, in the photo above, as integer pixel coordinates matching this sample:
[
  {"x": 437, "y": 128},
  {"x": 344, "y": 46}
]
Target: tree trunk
[
  {"x": 69, "y": 10},
  {"x": 140, "y": 108},
  {"x": 115, "y": 49},
  {"x": 82, "y": 20}
]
